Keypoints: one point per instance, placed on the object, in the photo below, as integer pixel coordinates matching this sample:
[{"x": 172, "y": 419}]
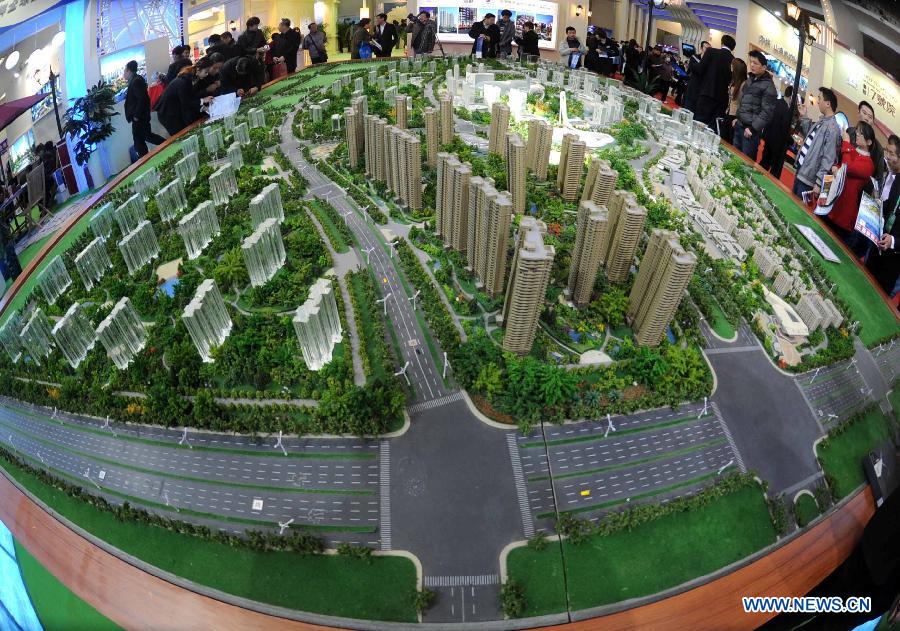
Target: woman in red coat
[{"x": 860, "y": 169}]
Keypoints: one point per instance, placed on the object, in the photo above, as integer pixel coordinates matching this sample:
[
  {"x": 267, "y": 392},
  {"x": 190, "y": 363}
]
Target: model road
[
  {"x": 425, "y": 377},
  {"x": 225, "y": 487}
]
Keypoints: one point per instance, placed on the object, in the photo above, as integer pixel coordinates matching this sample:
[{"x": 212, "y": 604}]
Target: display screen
[
  {"x": 112, "y": 67},
  {"x": 38, "y": 110},
  {"x": 455, "y": 17},
  {"x": 18, "y": 152},
  {"x": 688, "y": 49}
]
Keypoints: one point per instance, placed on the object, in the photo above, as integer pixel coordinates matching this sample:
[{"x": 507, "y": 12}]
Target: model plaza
[{"x": 470, "y": 325}]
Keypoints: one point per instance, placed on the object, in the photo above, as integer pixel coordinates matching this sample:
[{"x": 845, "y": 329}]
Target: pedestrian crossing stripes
[
  {"x": 524, "y": 508},
  {"x": 731, "y": 443},
  {"x": 385, "y": 495},
  {"x": 462, "y": 581},
  {"x": 435, "y": 403}
]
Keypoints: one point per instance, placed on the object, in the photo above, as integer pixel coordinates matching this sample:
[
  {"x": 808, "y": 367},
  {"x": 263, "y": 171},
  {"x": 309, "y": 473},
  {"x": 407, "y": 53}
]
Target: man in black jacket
[
  {"x": 244, "y": 75},
  {"x": 137, "y": 110},
  {"x": 756, "y": 107},
  {"x": 181, "y": 57},
  {"x": 488, "y": 33},
  {"x": 528, "y": 43},
  {"x": 288, "y": 45},
  {"x": 385, "y": 35},
  {"x": 714, "y": 73},
  {"x": 507, "y": 30},
  {"x": 693, "y": 86},
  {"x": 225, "y": 47},
  {"x": 252, "y": 41},
  {"x": 777, "y": 134},
  {"x": 885, "y": 263}
]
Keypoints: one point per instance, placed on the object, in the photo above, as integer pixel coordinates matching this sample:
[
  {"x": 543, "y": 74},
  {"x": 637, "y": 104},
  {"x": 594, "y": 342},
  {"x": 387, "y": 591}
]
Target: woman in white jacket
[{"x": 570, "y": 45}]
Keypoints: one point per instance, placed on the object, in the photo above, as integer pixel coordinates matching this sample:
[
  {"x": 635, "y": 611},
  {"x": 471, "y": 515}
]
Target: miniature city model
[{"x": 444, "y": 309}]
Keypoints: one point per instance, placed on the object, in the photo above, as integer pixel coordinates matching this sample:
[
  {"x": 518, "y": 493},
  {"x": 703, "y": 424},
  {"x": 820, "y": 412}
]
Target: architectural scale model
[{"x": 444, "y": 309}]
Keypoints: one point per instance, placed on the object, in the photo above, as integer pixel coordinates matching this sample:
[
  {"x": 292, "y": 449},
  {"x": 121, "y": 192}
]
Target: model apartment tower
[
  {"x": 663, "y": 276},
  {"x": 401, "y": 111},
  {"x": 375, "y": 148},
  {"x": 350, "y": 116},
  {"x": 446, "y": 120},
  {"x": 600, "y": 182},
  {"x": 488, "y": 231},
  {"x": 499, "y": 127},
  {"x": 571, "y": 161},
  {"x": 587, "y": 253},
  {"x": 452, "y": 201},
  {"x": 432, "y": 136},
  {"x": 626, "y": 223},
  {"x": 537, "y": 149},
  {"x": 403, "y": 165},
  {"x": 528, "y": 280},
  {"x": 515, "y": 171}
]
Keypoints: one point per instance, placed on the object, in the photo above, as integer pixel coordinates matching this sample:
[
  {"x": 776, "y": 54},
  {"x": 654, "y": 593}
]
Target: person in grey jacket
[
  {"x": 756, "y": 108},
  {"x": 821, "y": 148},
  {"x": 423, "y": 35},
  {"x": 570, "y": 45},
  {"x": 507, "y": 33}
]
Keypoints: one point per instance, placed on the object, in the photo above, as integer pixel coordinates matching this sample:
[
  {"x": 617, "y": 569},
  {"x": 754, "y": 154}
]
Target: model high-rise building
[
  {"x": 267, "y": 203},
  {"x": 375, "y": 147},
  {"x": 74, "y": 335},
  {"x": 350, "y": 130},
  {"x": 207, "y": 319},
  {"x": 626, "y": 223},
  {"x": 130, "y": 214},
  {"x": 499, "y": 127},
  {"x": 223, "y": 184},
  {"x": 571, "y": 161},
  {"x": 102, "y": 222},
  {"x": 264, "y": 252},
  {"x": 186, "y": 169},
  {"x": 537, "y": 150},
  {"x": 767, "y": 261},
  {"x": 401, "y": 109},
  {"x": 318, "y": 325},
  {"x": 528, "y": 280},
  {"x": 664, "y": 274},
  {"x": 600, "y": 182},
  {"x": 198, "y": 227},
  {"x": 446, "y": 119},
  {"x": 488, "y": 229},
  {"x": 36, "y": 336},
  {"x": 432, "y": 135},
  {"x": 122, "y": 333},
  {"x": 139, "y": 246},
  {"x": 92, "y": 263},
  {"x": 812, "y": 310},
  {"x": 515, "y": 171},
  {"x": 587, "y": 253},
  {"x": 171, "y": 200},
  {"x": 146, "y": 183},
  {"x": 54, "y": 280},
  {"x": 403, "y": 166},
  {"x": 452, "y": 201},
  {"x": 9, "y": 336}
]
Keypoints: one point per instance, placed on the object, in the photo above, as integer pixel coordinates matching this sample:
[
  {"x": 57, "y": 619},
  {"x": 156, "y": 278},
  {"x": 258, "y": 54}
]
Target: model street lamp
[{"x": 799, "y": 19}]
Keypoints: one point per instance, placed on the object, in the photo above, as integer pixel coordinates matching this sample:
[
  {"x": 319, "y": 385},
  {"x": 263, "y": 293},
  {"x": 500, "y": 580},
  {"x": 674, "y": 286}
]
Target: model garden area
[{"x": 257, "y": 361}]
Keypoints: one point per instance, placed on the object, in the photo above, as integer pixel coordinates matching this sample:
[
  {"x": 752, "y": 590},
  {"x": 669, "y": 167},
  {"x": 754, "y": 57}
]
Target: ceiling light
[
  {"x": 59, "y": 39},
  {"x": 778, "y": 13},
  {"x": 16, "y": 75},
  {"x": 12, "y": 60}
]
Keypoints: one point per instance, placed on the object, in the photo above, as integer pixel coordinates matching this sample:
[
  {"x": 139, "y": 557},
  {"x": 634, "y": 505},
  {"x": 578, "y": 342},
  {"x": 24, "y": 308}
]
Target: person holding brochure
[
  {"x": 571, "y": 49},
  {"x": 885, "y": 262},
  {"x": 860, "y": 168},
  {"x": 486, "y": 35}
]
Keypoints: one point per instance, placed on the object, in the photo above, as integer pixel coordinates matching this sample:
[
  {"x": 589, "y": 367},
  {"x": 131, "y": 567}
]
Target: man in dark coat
[
  {"x": 288, "y": 45},
  {"x": 507, "y": 30},
  {"x": 693, "y": 86},
  {"x": 777, "y": 135},
  {"x": 182, "y": 104},
  {"x": 137, "y": 110},
  {"x": 885, "y": 263},
  {"x": 386, "y": 35},
  {"x": 528, "y": 43},
  {"x": 714, "y": 73},
  {"x": 181, "y": 57},
  {"x": 251, "y": 41},
  {"x": 225, "y": 47},
  {"x": 244, "y": 75},
  {"x": 489, "y": 34}
]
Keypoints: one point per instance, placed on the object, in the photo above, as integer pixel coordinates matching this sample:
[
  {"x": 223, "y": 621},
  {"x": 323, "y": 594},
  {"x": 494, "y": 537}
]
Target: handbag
[
  {"x": 365, "y": 51},
  {"x": 279, "y": 70}
]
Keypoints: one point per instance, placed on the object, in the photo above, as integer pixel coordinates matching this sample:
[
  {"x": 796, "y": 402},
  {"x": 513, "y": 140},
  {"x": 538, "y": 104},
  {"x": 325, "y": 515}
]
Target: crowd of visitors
[{"x": 736, "y": 98}]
